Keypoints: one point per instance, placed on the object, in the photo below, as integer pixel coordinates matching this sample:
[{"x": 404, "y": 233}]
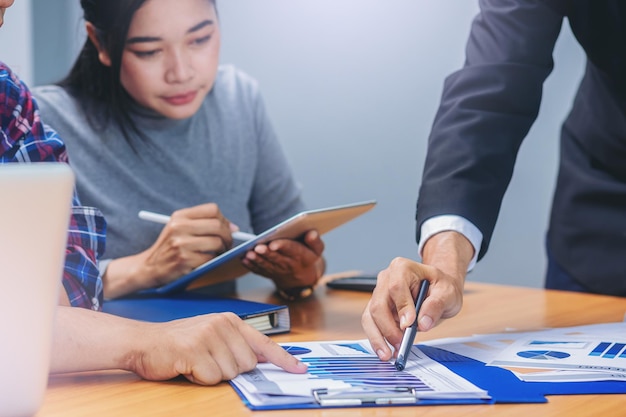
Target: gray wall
[
  {"x": 16, "y": 40},
  {"x": 352, "y": 88},
  {"x": 59, "y": 35}
]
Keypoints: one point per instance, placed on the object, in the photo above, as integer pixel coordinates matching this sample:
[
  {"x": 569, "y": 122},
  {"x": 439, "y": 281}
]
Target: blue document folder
[
  {"x": 267, "y": 318},
  {"x": 505, "y": 387},
  {"x": 502, "y": 385}
]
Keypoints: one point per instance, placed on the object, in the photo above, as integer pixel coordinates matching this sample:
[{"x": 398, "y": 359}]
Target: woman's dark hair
[{"x": 96, "y": 85}]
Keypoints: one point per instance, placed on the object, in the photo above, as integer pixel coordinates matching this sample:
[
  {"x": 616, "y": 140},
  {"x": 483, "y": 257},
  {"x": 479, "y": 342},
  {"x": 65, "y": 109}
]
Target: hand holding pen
[
  {"x": 193, "y": 236},
  {"x": 163, "y": 219},
  {"x": 409, "y": 333},
  {"x": 190, "y": 237}
]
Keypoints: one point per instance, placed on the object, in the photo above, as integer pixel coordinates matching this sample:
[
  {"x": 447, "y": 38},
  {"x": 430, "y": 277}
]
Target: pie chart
[{"x": 543, "y": 355}]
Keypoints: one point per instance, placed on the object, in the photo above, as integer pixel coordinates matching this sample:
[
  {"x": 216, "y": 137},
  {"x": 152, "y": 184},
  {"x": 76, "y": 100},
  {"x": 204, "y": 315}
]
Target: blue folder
[
  {"x": 503, "y": 389},
  {"x": 267, "y": 318},
  {"x": 502, "y": 385}
]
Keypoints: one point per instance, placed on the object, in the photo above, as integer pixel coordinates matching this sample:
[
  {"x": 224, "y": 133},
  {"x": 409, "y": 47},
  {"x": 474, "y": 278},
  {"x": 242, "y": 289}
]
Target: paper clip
[{"x": 357, "y": 397}]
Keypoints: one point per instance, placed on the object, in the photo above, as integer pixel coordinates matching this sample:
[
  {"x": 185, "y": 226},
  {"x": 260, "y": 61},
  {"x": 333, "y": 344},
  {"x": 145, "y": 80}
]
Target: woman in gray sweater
[{"x": 152, "y": 122}]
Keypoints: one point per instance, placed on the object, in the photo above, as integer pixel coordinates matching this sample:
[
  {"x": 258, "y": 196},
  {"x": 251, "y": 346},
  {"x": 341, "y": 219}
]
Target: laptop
[{"x": 34, "y": 218}]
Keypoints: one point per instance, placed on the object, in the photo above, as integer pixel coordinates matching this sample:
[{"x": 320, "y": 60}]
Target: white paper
[
  {"x": 499, "y": 349},
  {"x": 604, "y": 353}
]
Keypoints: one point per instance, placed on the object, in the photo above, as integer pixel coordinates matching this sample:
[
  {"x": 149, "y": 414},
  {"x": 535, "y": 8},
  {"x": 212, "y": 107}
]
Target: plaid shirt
[{"x": 24, "y": 138}]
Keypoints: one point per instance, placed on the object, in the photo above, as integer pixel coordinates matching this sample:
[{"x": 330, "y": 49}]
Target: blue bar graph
[
  {"x": 599, "y": 350},
  {"x": 360, "y": 371},
  {"x": 614, "y": 350}
]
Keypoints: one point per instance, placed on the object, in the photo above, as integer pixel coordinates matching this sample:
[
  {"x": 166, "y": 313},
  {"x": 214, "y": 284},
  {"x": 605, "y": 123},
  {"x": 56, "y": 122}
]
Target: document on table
[
  {"x": 582, "y": 353},
  {"x": 349, "y": 373},
  {"x": 565, "y": 352}
]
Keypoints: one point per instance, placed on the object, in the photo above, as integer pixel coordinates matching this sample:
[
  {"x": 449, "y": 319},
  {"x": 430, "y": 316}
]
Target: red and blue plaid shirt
[{"x": 24, "y": 138}]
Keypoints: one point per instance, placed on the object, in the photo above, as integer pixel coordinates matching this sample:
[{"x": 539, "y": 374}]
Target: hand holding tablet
[{"x": 228, "y": 264}]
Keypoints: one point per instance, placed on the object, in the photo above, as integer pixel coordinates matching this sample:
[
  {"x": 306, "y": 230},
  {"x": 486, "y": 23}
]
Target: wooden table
[{"x": 336, "y": 314}]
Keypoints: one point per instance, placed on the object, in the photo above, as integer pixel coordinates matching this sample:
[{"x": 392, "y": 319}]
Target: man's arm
[
  {"x": 486, "y": 110},
  {"x": 27, "y": 139},
  {"x": 205, "y": 349},
  {"x": 445, "y": 223}
]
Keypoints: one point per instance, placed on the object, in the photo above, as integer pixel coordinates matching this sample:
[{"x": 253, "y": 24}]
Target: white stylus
[{"x": 163, "y": 219}]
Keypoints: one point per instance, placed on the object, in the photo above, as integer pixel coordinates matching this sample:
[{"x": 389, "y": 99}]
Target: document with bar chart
[
  {"x": 348, "y": 373},
  {"x": 600, "y": 354}
]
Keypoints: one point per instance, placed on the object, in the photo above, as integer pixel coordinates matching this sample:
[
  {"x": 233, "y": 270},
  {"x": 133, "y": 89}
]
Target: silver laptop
[{"x": 35, "y": 209}]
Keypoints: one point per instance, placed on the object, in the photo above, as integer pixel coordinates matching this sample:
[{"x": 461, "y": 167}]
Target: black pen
[{"x": 409, "y": 333}]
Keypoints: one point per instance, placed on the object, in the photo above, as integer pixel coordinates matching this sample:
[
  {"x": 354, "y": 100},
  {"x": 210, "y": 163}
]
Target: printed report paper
[
  {"x": 606, "y": 354},
  {"x": 346, "y": 366},
  {"x": 567, "y": 354}
]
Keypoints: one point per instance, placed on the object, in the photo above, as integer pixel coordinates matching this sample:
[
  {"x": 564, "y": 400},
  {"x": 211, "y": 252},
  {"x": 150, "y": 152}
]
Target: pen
[
  {"x": 409, "y": 333},
  {"x": 163, "y": 219}
]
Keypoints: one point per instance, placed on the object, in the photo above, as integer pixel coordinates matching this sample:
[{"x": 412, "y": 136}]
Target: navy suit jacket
[{"x": 488, "y": 107}]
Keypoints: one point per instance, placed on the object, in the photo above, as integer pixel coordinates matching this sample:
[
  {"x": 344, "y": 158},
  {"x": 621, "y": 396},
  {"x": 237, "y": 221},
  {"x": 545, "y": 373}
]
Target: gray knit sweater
[{"x": 226, "y": 153}]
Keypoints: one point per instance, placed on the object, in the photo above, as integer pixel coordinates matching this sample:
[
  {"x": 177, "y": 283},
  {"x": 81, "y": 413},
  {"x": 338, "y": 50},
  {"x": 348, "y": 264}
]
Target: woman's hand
[
  {"x": 192, "y": 237},
  {"x": 289, "y": 263}
]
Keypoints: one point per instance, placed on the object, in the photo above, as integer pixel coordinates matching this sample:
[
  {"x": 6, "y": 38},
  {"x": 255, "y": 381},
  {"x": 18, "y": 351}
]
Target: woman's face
[{"x": 170, "y": 59}]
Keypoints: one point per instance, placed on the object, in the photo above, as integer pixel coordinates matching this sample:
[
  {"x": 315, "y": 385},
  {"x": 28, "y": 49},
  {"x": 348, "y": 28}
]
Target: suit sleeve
[{"x": 486, "y": 110}]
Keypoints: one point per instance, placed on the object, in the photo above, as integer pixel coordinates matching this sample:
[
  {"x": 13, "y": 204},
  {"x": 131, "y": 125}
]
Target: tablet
[{"x": 228, "y": 265}]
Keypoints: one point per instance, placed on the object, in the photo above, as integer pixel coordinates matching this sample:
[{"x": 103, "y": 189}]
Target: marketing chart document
[
  {"x": 348, "y": 373},
  {"x": 595, "y": 352},
  {"x": 600, "y": 354}
]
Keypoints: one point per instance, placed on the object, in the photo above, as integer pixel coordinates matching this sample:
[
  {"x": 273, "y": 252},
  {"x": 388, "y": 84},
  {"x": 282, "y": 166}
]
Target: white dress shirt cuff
[{"x": 451, "y": 222}]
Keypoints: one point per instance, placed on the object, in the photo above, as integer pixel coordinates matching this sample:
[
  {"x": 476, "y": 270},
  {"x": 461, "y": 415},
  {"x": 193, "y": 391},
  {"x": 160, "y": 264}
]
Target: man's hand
[
  {"x": 207, "y": 350},
  {"x": 392, "y": 306}
]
